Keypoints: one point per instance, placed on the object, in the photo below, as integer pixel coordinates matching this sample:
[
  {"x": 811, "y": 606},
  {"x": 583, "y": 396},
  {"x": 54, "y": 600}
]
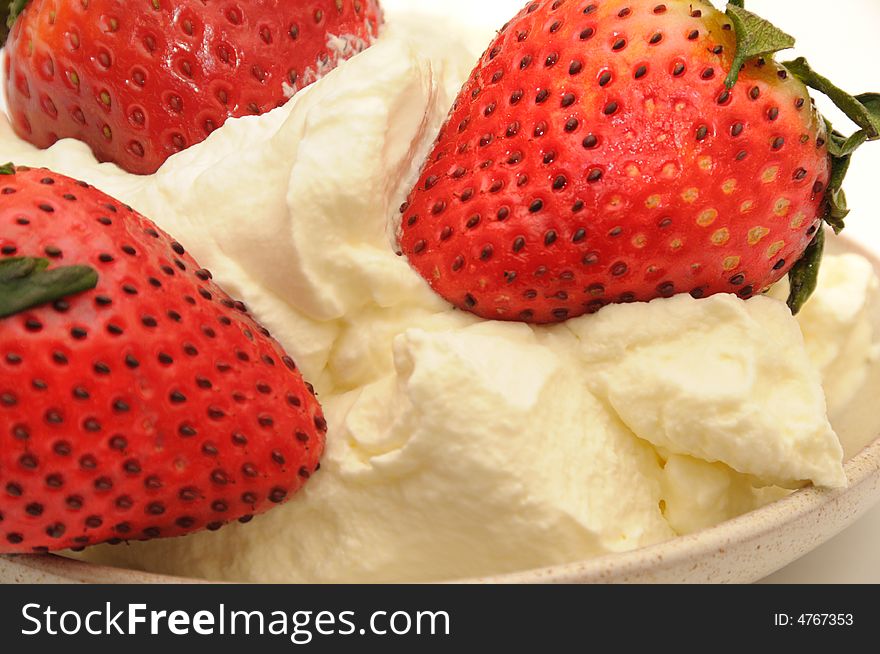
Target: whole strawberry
[
  {"x": 605, "y": 152},
  {"x": 137, "y": 400},
  {"x": 140, "y": 83}
]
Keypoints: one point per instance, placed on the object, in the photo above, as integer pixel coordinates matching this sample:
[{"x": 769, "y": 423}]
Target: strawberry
[
  {"x": 616, "y": 151},
  {"x": 138, "y": 84},
  {"x": 137, "y": 400}
]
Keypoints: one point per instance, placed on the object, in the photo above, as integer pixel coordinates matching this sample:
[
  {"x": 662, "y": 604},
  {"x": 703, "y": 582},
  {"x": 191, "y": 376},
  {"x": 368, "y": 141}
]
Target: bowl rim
[{"x": 861, "y": 469}]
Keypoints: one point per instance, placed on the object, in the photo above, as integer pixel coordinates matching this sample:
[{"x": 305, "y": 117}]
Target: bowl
[{"x": 742, "y": 550}]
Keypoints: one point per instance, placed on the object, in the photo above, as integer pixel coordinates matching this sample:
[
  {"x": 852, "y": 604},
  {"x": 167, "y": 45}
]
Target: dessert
[{"x": 459, "y": 446}]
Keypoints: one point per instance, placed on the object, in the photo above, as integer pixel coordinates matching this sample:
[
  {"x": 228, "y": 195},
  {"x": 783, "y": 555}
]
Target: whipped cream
[
  {"x": 720, "y": 380},
  {"x": 460, "y": 447}
]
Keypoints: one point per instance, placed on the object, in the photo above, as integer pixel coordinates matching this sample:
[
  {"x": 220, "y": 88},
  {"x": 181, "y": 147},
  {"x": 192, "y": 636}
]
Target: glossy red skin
[
  {"x": 151, "y": 476},
  {"x": 640, "y": 231},
  {"x": 139, "y": 86}
]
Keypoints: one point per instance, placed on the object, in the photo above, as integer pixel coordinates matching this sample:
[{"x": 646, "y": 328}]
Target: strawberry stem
[
  {"x": 804, "y": 276},
  {"x": 26, "y": 282},
  {"x": 755, "y": 37}
]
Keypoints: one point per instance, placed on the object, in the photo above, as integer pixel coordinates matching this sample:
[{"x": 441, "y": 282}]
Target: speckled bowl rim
[{"x": 862, "y": 469}]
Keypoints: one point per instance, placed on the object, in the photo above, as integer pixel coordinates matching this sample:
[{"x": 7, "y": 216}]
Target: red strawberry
[
  {"x": 597, "y": 156},
  {"x": 139, "y": 84},
  {"x": 150, "y": 406}
]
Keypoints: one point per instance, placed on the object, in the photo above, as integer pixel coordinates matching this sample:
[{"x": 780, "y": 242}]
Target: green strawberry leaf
[
  {"x": 870, "y": 100},
  {"x": 842, "y": 146},
  {"x": 20, "y": 267},
  {"x": 755, "y": 37},
  {"x": 804, "y": 276},
  {"x": 738, "y": 3},
  {"x": 26, "y": 282},
  {"x": 7, "y": 169}
]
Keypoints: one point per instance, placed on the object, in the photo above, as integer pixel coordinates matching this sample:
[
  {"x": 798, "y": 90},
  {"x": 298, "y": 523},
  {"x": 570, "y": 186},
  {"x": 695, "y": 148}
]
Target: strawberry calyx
[
  {"x": 755, "y": 37},
  {"x": 26, "y": 282}
]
